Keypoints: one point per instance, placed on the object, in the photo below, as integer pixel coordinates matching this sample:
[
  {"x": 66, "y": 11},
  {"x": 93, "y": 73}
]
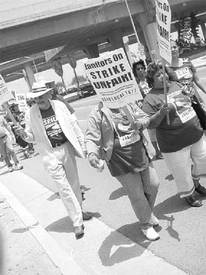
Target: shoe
[
  {"x": 10, "y": 169},
  {"x": 150, "y": 234},
  {"x": 155, "y": 222},
  {"x": 159, "y": 156},
  {"x": 192, "y": 201},
  {"x": 200, "y": 189},
  {"x": 79, "y": 231},
  {"x": 86, "y": 216},
  {"x": 18, "y": 167}
]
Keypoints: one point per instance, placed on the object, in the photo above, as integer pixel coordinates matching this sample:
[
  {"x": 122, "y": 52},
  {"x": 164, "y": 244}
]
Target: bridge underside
[{"x": 79, "y": 29}]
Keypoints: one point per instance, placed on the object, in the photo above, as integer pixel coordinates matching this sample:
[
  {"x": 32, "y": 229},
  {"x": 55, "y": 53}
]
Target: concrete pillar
[
  {"x": 203, "y": 29},
  {"x": 29, "y": 74},
  {"x": 150, "y": 34},
  {"x": 115, "y": 39},
  {"x": 92, "y": 51}
]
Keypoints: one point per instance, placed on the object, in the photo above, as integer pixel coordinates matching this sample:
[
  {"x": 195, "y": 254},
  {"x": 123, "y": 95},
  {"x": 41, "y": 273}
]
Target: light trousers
[
  {"x": 7, "y": 151},
  {"x": 63, "y": 170},
  {"x": 179, "y": 163},
  {"x": 142, "y": 188}
]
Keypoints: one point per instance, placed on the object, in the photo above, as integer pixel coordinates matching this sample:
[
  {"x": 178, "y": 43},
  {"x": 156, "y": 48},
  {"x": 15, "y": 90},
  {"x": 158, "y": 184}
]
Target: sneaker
[
  {"x": 155, "y": 221},
  {"x": 192, "y": 201},
  {"x": 79, "y": 231},
  {"x": 201, "y": 190},
  {"x": 10, "y": 169},
  {"x": 18, "y": 167},
  {"x": 150, "y": 234}
]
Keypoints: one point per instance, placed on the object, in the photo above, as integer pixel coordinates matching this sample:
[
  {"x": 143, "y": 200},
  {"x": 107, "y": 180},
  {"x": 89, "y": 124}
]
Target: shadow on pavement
[
  {"x": 53, "y": 197},
  {"x": 127, "y": 247},
  {"x": 169, "y": 177},
  {"x": 62, "y": 225},
  {"x": 65, "y": 224},
  {"x": 24, "y": 229},
  {"x": 120, "y": 192},
  {"x": 171, "y": 205}
]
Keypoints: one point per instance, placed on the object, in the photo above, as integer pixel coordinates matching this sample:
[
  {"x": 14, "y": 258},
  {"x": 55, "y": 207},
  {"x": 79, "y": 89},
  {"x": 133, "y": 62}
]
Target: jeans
[
  {"x": 142, "y": 188},
  {"x": 62, "y": 168},
  {"x": 180, "y": 162}
]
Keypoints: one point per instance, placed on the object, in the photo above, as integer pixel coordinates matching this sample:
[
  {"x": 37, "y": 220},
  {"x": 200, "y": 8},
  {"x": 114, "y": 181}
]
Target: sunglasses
[{"x": 140, "y": 69}]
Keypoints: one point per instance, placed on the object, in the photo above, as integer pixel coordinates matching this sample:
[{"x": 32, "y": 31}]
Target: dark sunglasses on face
[{"x": 140, "y": 69}]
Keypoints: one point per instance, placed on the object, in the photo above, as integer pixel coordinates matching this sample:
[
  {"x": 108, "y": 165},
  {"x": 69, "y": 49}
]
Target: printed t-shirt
[
  {"x": 129, "y": 152},
  {"x": 144, "y": 88},
  {"x": 183, "y": 73},
  {"x": 184, "y": 128},
  {"x": 52, "y": 127}
]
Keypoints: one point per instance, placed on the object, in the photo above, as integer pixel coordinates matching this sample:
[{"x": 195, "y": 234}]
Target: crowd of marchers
[{"x": 176, "y": 135}]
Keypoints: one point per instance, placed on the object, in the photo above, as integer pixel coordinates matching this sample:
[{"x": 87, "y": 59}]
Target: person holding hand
[
  {"x": 180, "y": 138},
  {"x": 59, "y": 139},
  {"x": 112, "y": 137}
]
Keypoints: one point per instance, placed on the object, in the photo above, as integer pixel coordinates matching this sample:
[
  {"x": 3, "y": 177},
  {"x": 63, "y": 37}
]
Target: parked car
[{"x": 86, "y": 89}]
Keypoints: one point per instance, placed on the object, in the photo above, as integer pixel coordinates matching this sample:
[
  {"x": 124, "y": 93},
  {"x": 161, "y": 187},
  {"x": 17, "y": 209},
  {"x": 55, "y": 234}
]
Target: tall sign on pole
[{"x": 163, "y": 19}]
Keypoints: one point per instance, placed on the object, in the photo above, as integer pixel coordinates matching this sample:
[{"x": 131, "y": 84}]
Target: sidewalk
[
  {"x": 25, "y": 254},
  {"x": 20, "y": 253}
]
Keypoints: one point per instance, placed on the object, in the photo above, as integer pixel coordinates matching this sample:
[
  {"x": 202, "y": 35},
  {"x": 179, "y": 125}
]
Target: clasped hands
[{"x": 19, "y": 130}]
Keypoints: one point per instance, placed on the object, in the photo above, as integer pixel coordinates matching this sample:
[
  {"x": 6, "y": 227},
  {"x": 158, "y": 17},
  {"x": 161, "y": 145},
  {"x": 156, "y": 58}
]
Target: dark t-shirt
[
  {"x": 52, "y": 127},
  {"x": 128, "y": 151},
  {"x": 184, "y": 74},
  {"x": 184, "y": 128}
]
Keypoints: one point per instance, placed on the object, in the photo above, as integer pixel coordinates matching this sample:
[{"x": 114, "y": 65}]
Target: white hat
[{"x": 38, "y": 89}]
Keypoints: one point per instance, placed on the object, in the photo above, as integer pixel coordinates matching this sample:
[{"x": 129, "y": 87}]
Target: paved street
[{"x": 113, "y": 243}]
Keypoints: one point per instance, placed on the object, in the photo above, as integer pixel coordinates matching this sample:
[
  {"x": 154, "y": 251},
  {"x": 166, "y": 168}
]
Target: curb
[{"x": 60, "y": 258}]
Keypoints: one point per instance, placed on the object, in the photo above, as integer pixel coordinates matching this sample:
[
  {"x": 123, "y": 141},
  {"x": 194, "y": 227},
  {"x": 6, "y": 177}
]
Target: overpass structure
[{"x": 79, "y": 28}]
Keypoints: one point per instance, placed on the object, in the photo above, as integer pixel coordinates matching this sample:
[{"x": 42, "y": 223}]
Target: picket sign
[
  {"x": 21, "y": 101},
  {"x": 163, "y": 19},
  {"x": 113, "y": 80},
  {"x": 5, "y": 96}
]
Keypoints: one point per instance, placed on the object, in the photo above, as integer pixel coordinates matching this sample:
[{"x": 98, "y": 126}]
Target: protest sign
[
  {"x": 5, "y": 94},
  {"x": 163, "y": 18},
  {"x": 21, "y": 101},
  {"x": 112, "y": 79}
]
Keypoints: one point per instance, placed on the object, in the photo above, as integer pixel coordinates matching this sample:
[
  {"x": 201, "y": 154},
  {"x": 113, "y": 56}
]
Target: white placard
[
  {"x": 112, "y": 79},
  {"x": 21, "y": 101},
  {"x": 163, "y": 18},
  {"x": 5, "y": 94}
]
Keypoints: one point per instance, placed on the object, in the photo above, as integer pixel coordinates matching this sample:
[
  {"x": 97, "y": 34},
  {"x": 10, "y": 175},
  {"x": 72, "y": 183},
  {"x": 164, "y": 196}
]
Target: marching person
[
  {"x": 182, "y": 70},
  {"x": 59, "y": 138},
  {"x": 139, "y": 71},
  {"x": 181, "y": 140},
  {"x": 7, "y": 151},
  {"x": 111, "y": 137}
]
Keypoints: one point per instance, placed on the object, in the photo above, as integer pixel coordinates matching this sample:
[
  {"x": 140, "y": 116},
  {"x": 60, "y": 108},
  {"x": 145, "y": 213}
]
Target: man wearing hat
[{"x": 59, "y": 138}]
